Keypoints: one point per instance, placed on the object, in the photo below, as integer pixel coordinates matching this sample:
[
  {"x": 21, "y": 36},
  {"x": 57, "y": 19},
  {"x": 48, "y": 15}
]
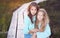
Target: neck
[{"x": 40, "y": 21}]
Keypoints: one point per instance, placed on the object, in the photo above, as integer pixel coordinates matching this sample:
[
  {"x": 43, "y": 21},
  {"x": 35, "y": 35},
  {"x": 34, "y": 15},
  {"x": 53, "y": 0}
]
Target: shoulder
[{"x": 47, "y": 24}]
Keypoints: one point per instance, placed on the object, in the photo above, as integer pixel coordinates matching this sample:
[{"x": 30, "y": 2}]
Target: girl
[
  {"x": 42, "y": 29},
  {"x": 29, "y": 19}
]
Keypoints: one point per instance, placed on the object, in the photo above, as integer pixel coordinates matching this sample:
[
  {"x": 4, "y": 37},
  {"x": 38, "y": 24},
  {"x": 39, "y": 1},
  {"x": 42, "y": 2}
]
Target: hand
[
  {"x": 34, "y": 30},
  {"x": 41, "y": 30}
]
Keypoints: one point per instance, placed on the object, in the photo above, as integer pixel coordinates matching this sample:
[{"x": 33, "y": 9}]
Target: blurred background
[{"x": 8, "y": 6}]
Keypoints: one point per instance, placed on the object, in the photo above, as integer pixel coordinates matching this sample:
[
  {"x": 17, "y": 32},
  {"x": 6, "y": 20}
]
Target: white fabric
[{"x": 17, "y": 21}]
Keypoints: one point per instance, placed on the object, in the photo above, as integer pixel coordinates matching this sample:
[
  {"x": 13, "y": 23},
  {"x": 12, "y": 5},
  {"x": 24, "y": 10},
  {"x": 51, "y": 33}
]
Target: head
[
  {"x": 42, "y": 17},
  {"x": 33, "y": 9}
]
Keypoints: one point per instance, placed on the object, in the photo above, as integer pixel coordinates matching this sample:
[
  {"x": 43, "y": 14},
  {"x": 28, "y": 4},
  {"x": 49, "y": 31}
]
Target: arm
[{"x": 46, "y": 33}]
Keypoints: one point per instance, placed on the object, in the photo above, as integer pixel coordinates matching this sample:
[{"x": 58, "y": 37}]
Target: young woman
[
  {"x": 29, "y": 19},
  {"x": 42, "y": 28}
]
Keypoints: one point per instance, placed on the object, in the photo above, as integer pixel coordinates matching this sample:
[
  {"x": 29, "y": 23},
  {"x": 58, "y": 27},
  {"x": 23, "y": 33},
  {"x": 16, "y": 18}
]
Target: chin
[
  {"x": 33, "y": 14},
  {"x": 39, "y": 20}
]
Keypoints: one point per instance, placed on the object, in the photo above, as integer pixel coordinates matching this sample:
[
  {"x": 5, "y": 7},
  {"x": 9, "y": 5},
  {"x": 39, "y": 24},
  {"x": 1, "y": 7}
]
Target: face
[
  {"x": 40, "y": 16},
  {"x": 33, "y": 10}
]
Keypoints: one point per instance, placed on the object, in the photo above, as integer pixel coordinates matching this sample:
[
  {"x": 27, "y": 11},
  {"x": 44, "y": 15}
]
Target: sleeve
[
  {"x": 27, "y": 24},
  {"x": 44, "y": 34},
  {"x": 47, "y": 31},
  {"x": 31, "y": 26}
]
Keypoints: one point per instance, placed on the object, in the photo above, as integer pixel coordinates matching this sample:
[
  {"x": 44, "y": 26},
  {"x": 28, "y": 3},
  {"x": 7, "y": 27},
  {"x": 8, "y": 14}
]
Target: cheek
[
  {"x": 40, "y": 17},
  {"x": 31, "y": 11},
  {"x": 35, "y": 12}
]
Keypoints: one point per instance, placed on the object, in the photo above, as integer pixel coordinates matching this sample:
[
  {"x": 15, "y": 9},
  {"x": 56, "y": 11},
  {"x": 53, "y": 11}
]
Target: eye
[
  {"x": 31, "y": 9},
  {"x": 35, "y": 9}
]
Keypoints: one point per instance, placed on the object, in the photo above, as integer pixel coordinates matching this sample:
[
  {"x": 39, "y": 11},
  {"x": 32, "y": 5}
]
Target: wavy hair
[{"x": 44, "y": 21}]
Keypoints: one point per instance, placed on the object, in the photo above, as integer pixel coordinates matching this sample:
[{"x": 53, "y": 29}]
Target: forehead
[
  {"x": 33, "y": 7},
  {"x": 40, "y": 12}
]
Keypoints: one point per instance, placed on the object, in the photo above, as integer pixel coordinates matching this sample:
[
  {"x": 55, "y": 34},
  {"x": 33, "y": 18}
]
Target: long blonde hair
[{"x": 44, "y": 21}]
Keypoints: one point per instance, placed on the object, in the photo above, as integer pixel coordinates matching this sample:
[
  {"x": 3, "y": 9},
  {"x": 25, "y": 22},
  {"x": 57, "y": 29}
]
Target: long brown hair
[
  {"x": 35, "y": 5},
  {"x": 44, "y": 21}
]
